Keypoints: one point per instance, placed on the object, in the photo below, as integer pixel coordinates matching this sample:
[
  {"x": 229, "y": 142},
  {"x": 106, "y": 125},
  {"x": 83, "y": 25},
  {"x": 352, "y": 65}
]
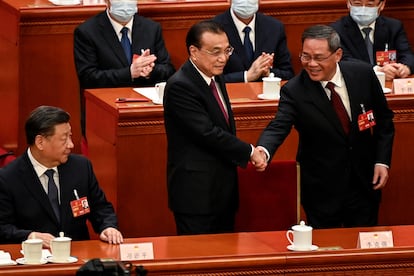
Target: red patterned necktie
[
  {"x": 339, "y": 107},
  {"x": 220, "y": 103}
]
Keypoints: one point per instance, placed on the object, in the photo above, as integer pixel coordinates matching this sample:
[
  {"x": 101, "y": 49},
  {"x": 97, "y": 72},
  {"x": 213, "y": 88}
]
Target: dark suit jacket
[
  {"x": 387, "y": 30},
  {"x": 25, "y": 206},
  {"x": 328, "y": 158},
  {"x": 203, "y": 151},
  {"x": 101, "y": 62},
  {"x": 270, "y": 37}
]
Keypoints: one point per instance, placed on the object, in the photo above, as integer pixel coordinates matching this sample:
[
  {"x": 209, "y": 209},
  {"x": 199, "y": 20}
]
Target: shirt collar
[
  {"x": 118, "y": 26},
  {"x": 337, "y": 79},
  {"x": 39, "y": 168},
  {"x": 205, "y": 77},
  {"x": 240, "y": 25}
]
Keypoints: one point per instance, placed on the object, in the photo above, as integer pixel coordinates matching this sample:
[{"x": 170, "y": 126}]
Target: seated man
[
  {"x": 259, "y": 43},
  {"x": 384, "y": 34},
  {"x": 38, "y": 189},
  {"x": 101, "y": 59}
]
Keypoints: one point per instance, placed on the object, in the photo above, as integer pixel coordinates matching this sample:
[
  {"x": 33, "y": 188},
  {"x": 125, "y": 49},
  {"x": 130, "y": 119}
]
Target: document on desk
[
  {"x": 137, "y": 251},
  {"x": 5, "y": 258},
  {"x": 149, "y": 92}
]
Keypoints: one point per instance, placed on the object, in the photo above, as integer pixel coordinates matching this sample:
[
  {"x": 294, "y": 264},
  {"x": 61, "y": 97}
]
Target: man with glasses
[
  {"x": 44, "y": 191},
  {"x": 365, "y": 33},
  {"x": 259, "y": 43},
  {"x": 345, "y": 133},
  {"x": 203, "y": 150}
]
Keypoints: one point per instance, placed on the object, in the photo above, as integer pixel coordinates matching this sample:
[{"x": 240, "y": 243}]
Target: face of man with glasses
[
  {"x": 213, "y": 54},
  {"x": 318, "y": 60}
]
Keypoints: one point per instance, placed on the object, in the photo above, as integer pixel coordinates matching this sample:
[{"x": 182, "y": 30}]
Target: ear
[
  {"x": 381, "y": 6},
  {"x": 338, "y": 54},
  {"x": 39, "y": 142},
  {"x": 193, "y": 50}
]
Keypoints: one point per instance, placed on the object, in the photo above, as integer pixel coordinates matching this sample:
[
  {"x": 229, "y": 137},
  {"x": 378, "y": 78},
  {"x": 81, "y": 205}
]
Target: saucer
[
  {"x": 23, "y": 261},
  {"x": 157, "y": 102},
  {"x": 65, "y": 2},
  {"x": 386, "y": 90},
  {"x": 312, "y": 248},
  {"x": 263, "y": 97},
  {"x": 67, "y": 261}
]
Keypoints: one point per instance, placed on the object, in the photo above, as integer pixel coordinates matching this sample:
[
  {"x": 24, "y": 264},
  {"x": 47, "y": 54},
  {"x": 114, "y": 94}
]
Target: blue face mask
[
  {"x": 364, "y": 15},
  {"x": 123, "y": 11},
  {"x": 245, "y": 8}
]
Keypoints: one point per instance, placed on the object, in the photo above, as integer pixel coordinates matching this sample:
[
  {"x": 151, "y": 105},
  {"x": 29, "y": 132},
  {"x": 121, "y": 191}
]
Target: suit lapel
[
  {"x": 358, "y": 43},
  {"x": 234, "y": 39},
  {"x": 208, "y": 95},
  {"x": 380, "y": 35},
  {"x": 321, "y": 102},
  {"x": 32, "y": 183},
  {"x": 112, "y": 38}
]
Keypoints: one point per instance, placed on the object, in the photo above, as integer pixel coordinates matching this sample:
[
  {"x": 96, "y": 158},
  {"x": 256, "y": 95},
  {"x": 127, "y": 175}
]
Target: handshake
[{"x": 259, "y": 159}]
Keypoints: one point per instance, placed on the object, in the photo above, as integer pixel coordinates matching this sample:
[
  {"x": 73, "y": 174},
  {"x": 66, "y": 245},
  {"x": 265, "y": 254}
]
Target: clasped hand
[
  {"x": 259, "y": 159},
  {"x": 143, "y": 65}
]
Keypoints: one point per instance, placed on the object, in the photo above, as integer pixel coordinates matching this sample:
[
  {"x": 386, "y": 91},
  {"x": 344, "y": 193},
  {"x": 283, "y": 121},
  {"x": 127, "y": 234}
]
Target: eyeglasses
[
  {"x": 318, "y": 59},
  {"x": 217, "y": 53}
]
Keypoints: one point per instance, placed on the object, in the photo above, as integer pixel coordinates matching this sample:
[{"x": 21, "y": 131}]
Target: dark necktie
[
  {"x": 248, "y": 46},
  {"x": 368, "y": 44},
  {"x": 339, "y": 107},
  {"x": 126, "y": 44},
  {"x": 52, "y": 192},
  {"x": 220, "y": 103}
]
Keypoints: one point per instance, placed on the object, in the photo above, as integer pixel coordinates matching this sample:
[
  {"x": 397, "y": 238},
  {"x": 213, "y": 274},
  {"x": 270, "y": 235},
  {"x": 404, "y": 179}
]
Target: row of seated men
[{"x": 49, "y": 134}]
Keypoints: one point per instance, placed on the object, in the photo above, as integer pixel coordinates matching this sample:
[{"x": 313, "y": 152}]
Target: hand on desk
[
  {"x": 111, "y": 235},
  {"x": 45, "y": 237},
  {"x": 142, "y": 65},
  {"x": 259, "y": 159},
  {"x": 395, "y": 70}
]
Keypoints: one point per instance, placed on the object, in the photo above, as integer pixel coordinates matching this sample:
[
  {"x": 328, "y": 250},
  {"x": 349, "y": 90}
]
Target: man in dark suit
[
  {"x": 203, "y": 150},
  {"x": 384, "y": 33},
  {"x": 101, "y": 60},
  {"x": 268, "y": 41},
  {"x": 345, "y": 134},
  {"x": 27, "y": 207}
]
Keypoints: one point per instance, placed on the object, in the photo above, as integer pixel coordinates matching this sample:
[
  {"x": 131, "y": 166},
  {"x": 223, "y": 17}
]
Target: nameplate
[
  {"x": 403, "y": 86},
  {"x": 137, "y": 251},
  {"x": 380, "y": 239}
]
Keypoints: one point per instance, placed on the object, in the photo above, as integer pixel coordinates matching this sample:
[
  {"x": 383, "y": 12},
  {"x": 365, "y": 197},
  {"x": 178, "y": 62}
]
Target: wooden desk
[
  {"x": 128, "y": 150},
  {"x": 255, "y": 253}
]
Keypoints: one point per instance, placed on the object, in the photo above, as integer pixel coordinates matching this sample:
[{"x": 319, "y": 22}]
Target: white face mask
[
  {"x": 123, "y": 11},
  {"x": 364, "y": 15},
  {"x": 245, "y": 8}
]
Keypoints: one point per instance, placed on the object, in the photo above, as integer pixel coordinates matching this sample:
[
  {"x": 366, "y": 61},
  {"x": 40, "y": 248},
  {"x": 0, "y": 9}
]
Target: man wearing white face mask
[
  {"x": 260, "y": 49},
  {"x": 102, "y": 60},
  {"x": 364, "y": 32}
]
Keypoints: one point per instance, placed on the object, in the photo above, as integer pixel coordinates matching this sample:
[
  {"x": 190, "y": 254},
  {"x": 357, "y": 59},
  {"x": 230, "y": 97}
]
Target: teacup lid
[
  {"x": 271, "y": 77},
  {"x": 62, "y": 237},
  {"x": 302, "y": 227}
]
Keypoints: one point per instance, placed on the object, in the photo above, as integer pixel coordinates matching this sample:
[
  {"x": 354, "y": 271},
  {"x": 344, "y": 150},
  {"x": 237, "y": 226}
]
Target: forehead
[
  {"x": 62, "y": 129},
  {"x": 214, "y": 40},
  {"x": 315, "y": 45},
  {"x": 365, "y": 2}
]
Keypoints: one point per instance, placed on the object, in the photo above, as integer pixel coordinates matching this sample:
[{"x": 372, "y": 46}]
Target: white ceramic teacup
[
  {"x": 32, "y": 250},
  {"x": 381, "y": 78},
  {"x": 271, "y": 87},
  {"x": 302, "y": 236},
  {"x": 60, "y": 247},
  {"x": 159, "y": 88}
]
